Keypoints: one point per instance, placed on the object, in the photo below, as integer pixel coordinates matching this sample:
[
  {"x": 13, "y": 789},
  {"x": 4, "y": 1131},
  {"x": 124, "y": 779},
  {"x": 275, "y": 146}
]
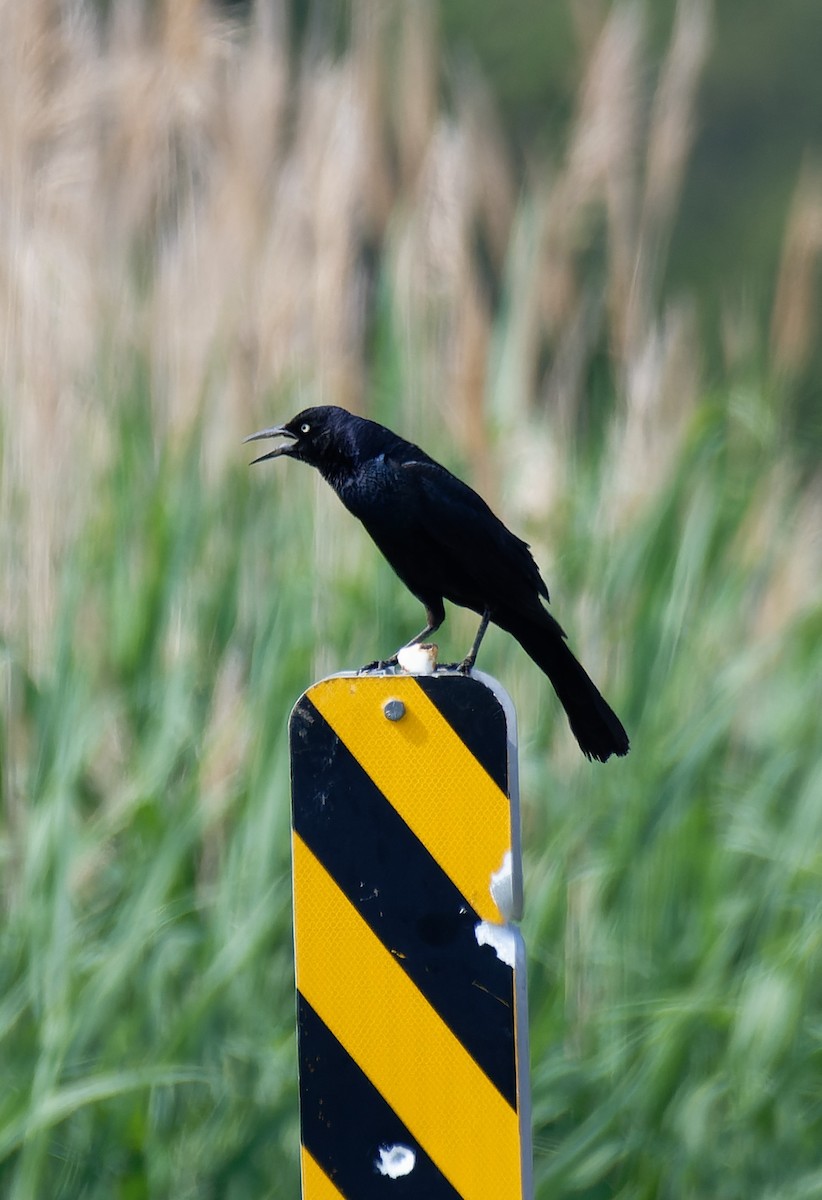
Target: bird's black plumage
[{"x": 445, "y": 543}]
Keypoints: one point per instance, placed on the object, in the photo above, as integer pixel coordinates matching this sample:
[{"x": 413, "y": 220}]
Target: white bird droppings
[
  {"x": 502, "y": 886},
  {"x": 419, "y": 659},
  {"x": 500, "y": 938},
  {"x": 396, "y": 1161}
]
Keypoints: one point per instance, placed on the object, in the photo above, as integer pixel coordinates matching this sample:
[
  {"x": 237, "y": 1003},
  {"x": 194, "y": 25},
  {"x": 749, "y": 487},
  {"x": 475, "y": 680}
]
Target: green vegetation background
[{"x": 200, "y": 235}]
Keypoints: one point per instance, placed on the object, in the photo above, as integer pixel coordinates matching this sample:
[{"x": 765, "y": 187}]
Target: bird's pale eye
[{"x": 304, "y": 428}]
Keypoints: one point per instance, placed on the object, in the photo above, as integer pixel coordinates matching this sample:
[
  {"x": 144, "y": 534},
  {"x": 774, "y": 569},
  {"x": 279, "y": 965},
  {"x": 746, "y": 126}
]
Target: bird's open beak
[{"x": 275, "y": 431}]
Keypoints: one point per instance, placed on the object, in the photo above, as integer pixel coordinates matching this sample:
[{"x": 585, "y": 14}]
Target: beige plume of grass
[
  {"x": 795, "y": 317},
  {"x": 180, "y": 192}
]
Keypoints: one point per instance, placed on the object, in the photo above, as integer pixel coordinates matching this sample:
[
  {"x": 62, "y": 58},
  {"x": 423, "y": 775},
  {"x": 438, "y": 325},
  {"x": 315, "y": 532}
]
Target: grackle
[{"x": 444, "y": 542}]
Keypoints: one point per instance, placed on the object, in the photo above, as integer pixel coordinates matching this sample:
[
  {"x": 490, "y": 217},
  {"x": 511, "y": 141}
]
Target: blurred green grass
[
  {"x": 163, "y": 607},
  {"x": 673, "y": 918}
]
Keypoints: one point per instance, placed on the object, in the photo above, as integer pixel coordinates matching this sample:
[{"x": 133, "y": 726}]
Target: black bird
[{"x": 444, "y": 542}]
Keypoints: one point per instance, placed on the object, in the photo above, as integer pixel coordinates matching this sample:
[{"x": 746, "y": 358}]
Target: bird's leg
[
  {"x": 469, "y": 660},
  {"x": 432, "y": 627},
  {"x": 435, "y": 612}
]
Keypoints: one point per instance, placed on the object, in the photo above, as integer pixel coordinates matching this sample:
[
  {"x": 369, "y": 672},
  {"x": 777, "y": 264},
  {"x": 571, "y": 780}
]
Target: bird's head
[{"x": 315, "y": 436}]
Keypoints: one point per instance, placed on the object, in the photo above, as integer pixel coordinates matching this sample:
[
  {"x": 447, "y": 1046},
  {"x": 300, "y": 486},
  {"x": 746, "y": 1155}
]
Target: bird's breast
[{"x": 372, "y": 492}]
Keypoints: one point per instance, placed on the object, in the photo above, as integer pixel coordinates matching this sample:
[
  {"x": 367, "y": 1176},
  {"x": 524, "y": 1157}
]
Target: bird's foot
[
  {"x": 458, "y": 668},
  {"x": 379, "y": 664}
]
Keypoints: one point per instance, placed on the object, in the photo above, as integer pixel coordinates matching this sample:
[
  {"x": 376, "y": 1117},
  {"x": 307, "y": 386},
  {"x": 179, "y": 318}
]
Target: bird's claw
[
  {"x": 378, "y": 664},
  {"x": 457, "y": 668}
]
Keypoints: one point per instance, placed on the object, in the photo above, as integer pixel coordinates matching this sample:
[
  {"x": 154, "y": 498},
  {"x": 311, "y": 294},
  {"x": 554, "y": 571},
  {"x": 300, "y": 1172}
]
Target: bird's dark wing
[{"x": 480, "y": 562}]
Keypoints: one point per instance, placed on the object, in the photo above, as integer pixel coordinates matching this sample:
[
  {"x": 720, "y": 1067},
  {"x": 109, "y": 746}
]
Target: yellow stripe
[
  {"x": 316, "y": 1184},
  {"x": 399, "y": 1041},
  {"x": 465, "y": 820}
]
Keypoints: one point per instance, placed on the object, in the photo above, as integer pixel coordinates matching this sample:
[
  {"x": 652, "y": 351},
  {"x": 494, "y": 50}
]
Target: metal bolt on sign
[{"x": 412, "y": 1022}]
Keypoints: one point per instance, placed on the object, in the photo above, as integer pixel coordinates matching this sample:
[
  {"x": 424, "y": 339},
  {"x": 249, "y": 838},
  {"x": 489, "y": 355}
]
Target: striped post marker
[{"x": 412, "y": 1025}]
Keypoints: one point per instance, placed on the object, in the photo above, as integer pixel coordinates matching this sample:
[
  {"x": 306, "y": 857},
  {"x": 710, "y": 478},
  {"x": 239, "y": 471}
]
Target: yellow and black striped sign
[{"x": 411, "y": 987}]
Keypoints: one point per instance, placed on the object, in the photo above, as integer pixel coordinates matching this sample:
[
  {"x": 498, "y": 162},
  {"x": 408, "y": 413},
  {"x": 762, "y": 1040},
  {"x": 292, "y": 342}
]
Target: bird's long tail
[{"x": 593, "y": 722}]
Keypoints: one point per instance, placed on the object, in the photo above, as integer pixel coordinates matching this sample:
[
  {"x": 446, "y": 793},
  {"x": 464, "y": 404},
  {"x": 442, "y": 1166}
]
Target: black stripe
[
  {"x": 389, "y": 875},
  {"x": 345, "y": 1121},
  {"x": 476, "y": 716}
]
